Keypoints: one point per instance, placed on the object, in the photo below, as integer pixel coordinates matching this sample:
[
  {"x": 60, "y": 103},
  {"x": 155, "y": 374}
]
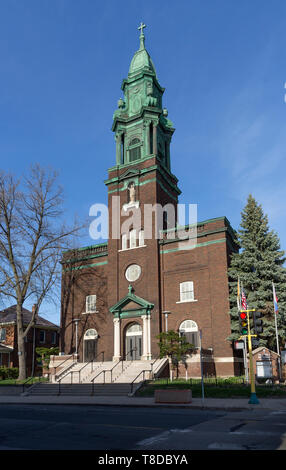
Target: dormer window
[{"x": 134, "y": 150}]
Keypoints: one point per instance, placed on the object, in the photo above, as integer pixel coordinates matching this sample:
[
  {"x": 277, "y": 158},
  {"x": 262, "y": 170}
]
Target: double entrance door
[{"x": 133, "y": 343}]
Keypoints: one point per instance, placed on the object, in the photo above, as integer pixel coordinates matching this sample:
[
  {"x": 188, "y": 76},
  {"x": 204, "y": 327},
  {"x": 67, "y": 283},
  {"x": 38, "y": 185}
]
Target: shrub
[{"x": 8, "y": 373}]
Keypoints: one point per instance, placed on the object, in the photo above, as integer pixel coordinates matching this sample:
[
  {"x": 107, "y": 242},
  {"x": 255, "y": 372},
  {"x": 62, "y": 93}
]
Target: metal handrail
[
  {"x": 142, "y": 372},
  {"x": 102, "y": 372},
  {"x": 28, "y": 380},
  {"x": 69, "y": 373},
  {"x": 131, "y": 350},
  {"x": 61, "y": 363},
  {"x": 91, "y": 361},
  {"x": 111, "y": 370},
  {"x": 152, "y": 366}
]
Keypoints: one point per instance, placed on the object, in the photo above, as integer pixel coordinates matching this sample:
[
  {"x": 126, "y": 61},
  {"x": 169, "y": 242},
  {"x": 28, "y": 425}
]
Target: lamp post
[
  {"x": 166, "y": 313},
  {"x": 202, "y": 370},
  {"x": 76, "y": 320}
]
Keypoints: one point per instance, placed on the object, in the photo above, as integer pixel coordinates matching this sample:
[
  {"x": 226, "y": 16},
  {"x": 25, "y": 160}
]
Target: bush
[{"x": 8, "y": 373}]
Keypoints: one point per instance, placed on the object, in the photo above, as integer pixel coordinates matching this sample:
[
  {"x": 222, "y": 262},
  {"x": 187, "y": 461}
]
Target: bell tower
[
  {"x": 141, "y": 126},
  {"x": 141, "y": 177}
]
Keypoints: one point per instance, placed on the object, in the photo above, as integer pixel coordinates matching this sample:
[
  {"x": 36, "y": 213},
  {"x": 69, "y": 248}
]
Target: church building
[{"x": 118, "y": 296}]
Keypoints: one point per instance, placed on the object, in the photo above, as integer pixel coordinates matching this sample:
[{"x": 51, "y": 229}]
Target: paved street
[{"x": 50, "y": 427}]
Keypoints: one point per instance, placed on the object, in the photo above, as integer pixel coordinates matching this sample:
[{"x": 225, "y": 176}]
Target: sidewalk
[{"x": 197, "y": 403}]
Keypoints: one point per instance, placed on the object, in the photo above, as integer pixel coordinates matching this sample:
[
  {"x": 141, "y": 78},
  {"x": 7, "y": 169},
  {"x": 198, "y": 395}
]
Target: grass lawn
[
  {"x": 20, "y": 382},
  {"x": 219, "y": 388}
]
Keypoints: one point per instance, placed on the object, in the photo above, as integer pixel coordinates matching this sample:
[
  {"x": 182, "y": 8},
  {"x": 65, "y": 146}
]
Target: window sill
[
  {"x": 134, "y": 248},
  {"x": 186, "y": 301},
  {"x": 90, "y": 313}
]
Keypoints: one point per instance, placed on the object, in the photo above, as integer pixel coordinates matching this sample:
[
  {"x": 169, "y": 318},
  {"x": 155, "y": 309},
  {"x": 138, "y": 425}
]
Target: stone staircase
[
  {"x": 100, "y": 378},
  {"x": 53, "y": 389}
]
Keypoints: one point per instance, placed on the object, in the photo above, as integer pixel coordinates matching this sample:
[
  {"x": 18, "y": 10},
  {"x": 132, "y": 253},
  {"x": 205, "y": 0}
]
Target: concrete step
[{"x": 79, "y": 389}]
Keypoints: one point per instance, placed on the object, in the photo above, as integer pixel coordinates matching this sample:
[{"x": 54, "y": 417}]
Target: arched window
[
  {"x": 134, "y": 329},
  {"x": 190, "y": 330},
  {"x": 91, "y": 334},
  {"x": 90, "y": 345},
  {"x": 134, "y": 149}
]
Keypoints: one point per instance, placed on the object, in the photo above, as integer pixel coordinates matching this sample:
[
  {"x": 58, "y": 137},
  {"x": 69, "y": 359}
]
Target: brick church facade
[{"x": 119, "y": 295}]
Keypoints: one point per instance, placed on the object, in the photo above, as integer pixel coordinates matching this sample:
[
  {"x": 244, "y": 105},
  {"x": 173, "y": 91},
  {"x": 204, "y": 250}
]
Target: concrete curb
[{"x": 227, "y": 405}]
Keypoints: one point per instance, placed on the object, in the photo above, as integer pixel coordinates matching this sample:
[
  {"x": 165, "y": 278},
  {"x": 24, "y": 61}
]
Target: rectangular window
[
  {"x": 54, "y": 337},
  {"x": 186, "y": 291},
  {"x": 192, "y": 337},
  {"x": 2, "y": 334},
  {"x": 134, "y": 154},
  {"x": 124, "y": 241},
  {"x": 90, "y": 304},
  {"x": 42, "y": 336},
  {"x": 132, "y": 238},
  {"x": 141, "y": 238}
]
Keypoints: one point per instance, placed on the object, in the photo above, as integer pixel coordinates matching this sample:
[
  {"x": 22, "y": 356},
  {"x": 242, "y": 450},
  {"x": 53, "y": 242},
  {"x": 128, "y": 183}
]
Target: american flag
[
  {"x": 243, "y": 301},
  {"x": 275, "y": 300}
]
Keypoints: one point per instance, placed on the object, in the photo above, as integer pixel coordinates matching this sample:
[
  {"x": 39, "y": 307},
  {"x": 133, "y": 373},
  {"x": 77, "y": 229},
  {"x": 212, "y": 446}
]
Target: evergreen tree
[{"x": 257, "y": 265}]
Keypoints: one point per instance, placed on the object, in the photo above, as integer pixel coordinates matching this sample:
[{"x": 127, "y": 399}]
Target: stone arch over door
[
  {"x": 133, "y": 341},
  {"x": 90, "y": 345}
]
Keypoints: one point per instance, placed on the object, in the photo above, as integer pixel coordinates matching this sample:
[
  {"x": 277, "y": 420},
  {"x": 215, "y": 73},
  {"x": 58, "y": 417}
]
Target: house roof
[
  {"x": 5, "y": 348},
  {"x": 8, "y": 315},
  {"x": 264, "y": 349}
]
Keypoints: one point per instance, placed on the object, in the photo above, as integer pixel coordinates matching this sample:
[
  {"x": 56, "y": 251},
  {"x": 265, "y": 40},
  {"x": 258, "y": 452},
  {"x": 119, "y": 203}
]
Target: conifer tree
[{"x": 258, "y": 264}]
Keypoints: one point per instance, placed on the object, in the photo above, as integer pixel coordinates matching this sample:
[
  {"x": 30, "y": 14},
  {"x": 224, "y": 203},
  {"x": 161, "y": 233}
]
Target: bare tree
[{"x": 32, "y": 239}]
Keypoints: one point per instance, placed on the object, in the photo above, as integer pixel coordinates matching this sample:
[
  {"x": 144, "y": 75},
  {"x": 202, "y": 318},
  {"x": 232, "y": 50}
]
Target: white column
[
  {"x": 149, "y": 354},
  {"x": 145, "y": 338},
  {"x": 116, "y": 322}
]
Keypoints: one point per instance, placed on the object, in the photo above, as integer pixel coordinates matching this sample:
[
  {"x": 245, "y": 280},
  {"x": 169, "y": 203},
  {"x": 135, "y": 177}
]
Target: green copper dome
[{"x": 141, "y": 59}]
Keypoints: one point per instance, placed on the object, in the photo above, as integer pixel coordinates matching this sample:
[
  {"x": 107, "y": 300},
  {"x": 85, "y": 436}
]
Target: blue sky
[{"x": 222, "y": 62}]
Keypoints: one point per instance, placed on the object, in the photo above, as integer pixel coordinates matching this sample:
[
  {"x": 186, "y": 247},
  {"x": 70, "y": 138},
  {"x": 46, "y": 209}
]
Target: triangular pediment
[
  {"x": 131, "y": 302},
  {"x": 130, "y": 173},
  {"x": 131, "y": 305}
]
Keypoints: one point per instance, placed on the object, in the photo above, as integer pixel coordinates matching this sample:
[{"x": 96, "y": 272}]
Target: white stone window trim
[
  {"x": 90, "y": 313},
  {"x": 90, "y": 333},
  {"x": 187, "y": 287},
  {"x": 133, "y": 248},
  {"x": 186, "y": 301},
  {"x": 93, "y": 301}
]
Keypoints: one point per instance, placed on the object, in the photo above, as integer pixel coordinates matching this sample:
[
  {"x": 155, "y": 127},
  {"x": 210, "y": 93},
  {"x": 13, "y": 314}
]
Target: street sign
[{"x": 238, "y": 345}]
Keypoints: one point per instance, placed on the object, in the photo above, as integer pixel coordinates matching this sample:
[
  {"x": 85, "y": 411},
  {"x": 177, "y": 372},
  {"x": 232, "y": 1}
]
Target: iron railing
[
  {"x": 61, "y": 363},
  {"x": 133, "y": 381}
]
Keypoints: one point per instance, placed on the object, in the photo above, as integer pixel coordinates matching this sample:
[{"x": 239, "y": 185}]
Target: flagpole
[{"x": 276, "y": 329}]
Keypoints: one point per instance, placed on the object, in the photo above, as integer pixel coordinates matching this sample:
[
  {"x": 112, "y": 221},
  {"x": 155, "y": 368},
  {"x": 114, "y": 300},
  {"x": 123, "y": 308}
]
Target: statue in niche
[{"x": 131, "y": 189}]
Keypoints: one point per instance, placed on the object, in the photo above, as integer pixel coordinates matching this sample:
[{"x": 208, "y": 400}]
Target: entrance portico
[{"x": 131, "y": 341}]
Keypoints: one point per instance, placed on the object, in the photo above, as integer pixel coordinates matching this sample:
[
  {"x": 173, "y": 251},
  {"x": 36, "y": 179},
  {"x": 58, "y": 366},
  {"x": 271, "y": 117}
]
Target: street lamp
[
  {"x": 76, "y": 320},
  {"x": 166, "y": 313}
]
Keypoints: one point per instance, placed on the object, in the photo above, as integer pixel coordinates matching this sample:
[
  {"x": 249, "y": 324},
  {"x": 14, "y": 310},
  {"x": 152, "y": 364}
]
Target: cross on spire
[
  {"x": 142, "y": 26},
  {"x": 142, "y": 37}
]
